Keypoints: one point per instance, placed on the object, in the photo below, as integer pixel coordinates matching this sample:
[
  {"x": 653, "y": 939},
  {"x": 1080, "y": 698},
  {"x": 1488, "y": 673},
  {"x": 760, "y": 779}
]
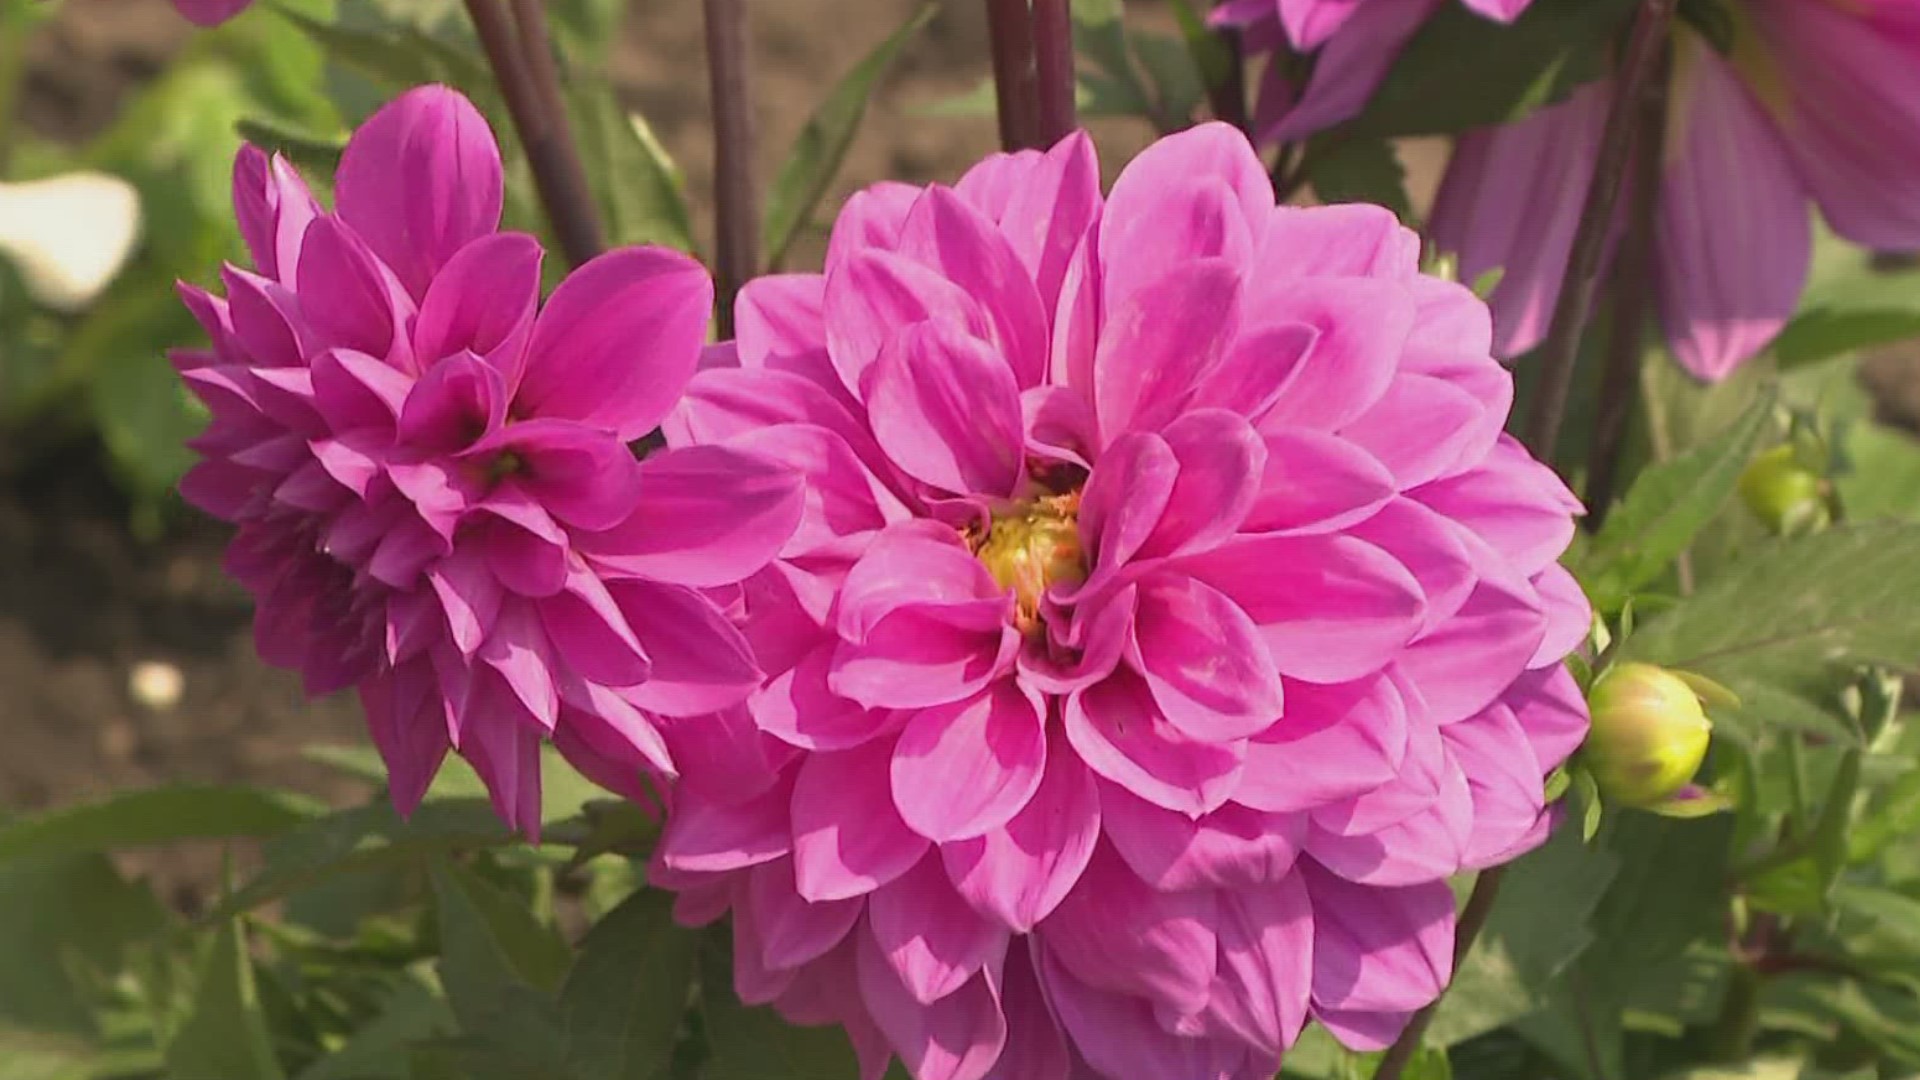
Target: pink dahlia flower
[
  {"x": 1169, "y": 618},
  {"x": 1356, "y": 41},
  {"x": 430, "y": 473},
  {"x": 1818, "y": 101},
  {"x": 210, "y": 12}
]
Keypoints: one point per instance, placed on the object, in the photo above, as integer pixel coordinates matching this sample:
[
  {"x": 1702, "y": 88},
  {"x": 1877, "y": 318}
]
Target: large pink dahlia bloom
[
  {"x": 1356, "y": 42},
  {"x": 1817, "y": 101},
  {"x": 1169, "y": 618},
  {"x": 430, "y": 473}
]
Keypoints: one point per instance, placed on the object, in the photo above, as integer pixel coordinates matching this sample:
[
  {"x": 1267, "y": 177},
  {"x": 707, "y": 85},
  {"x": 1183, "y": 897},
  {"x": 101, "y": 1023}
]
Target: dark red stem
[
  {"x": 1015, "y": 89},
  {"x": 736, "y": 192},
  {"x": 529, "y": 81},
  {"x": 1053, "y": 64},
  {"x": 1473, "y": 919}
]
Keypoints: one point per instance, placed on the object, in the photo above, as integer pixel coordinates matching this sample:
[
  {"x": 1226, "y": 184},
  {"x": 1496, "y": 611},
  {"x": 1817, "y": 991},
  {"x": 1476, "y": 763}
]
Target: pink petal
[
  {"x": 1315, "y": 482},
  {"x": 1363, "y": 324},
  {"x": 700, "y": 662},
  {"x": 1233, "y": 848},
  {"x": 872, "y": 295},
  {"x": 583, "y": 476},
  {"x": 792, "y": 931},
  {"x": 483, "y": 300},
  {"x": 618, "y": 341},
  {"x": 506, "y": 754},
  {"x": 1210, "y": 149},
  {"x": 1256, "y": 369},
  {"x": 1117, "y": 933},
  {"x": 1036, "y": 1047},
  {"x": 1334, "y": 742},
  {"x": 1124, "y": 498},
  {"x": 1120, "y": 1035},
  {"x": 459, "y": 401},
  {"x": 1051, "y": 209},
  {"x": 1511, "y": 200},
  {"x": 1378, "y": 949},
  {"x": 587, "y": 627},
  {"x": 928, "y": 935},
  {"x": 1118, "y": 731},
  {"x": 1431, "y": 549},
  {"x": 1266, "y": 964},
  {"x": 1430, "y": 845},
  {"x": 1332, "y": 608},
  {"x": 1734, "y": 234},
  {"x": 1505, "y": 781},
  {"x": 1463, "y": 664},
  {"x": 1419, "y": 428},
  {"x": 420, "y": 179},
  {"x": 705, "y": 516},
  {"x": 1365, "y": 1032},
  {"x": 1349, "y": 69},
  {"x": 1019, "y": 874},
  {"x": 518, "y": 649},
  {"x": 349, "y": 297},
  {"x": 965, "y": 769},
  {"x": 797, "y": 707},
  {"x": 404, "y": 719},
  {"x": 706, "y": 835},
  {"x": 780, "y": 321},
  {"x": 1552, "y": 712},
  {"x": 1345, "y": 240},
  {"x": 266, "y": 322},
  {"x": 1204, "y": 661},
  {"x": 871, "y": 218},
  {"x": 848, "y": 839},
  {"x": 945, "y": 233},
  {"x": 1222, "y": 461},
  {"x": 1155, "y": 345},
  {"x": 956, "y": 1038},
  {"x": 945, "y": 408},
  {"x": 1513, "y": 503},
  {"x": 1309, "y": 23},
  {"x": 270, "y": 202},
  {"x": 1569, "y": 615}
]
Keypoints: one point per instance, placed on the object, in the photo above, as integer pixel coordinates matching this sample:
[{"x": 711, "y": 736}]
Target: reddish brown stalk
[
  {"x": 1473, "y": 919},
  {"x": 1652, "y": 27},
  {"x": 1015, "y": 89},
  {"x": 531, "y": 88},
  {"x": 736, "y": 194},
  {"x": 1633, "y": 279},
  {"x": 1053, "y": 65}
]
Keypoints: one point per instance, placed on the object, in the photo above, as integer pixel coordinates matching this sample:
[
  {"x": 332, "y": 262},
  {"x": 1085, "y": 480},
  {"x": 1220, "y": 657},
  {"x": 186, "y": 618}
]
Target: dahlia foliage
[
  {"x": 429, "y": 469},
  {"x": 1169, "y": 619}
]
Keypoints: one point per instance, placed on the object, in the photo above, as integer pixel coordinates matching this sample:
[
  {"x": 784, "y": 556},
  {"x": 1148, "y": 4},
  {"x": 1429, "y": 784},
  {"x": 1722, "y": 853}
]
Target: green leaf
[
  {"x": 1537, "y": 927},
  {"x": 1823, "y": 332},
  {"x": 156, "y": 816},
  {"x": 397, "y": 57},
  {"x": 1882, "y": 475},
  {"x": 69, "y": 920},
  {"x": 623, "y": 1001},
  {"x": 1358, "y": 169},
  {"x": 1895, "y": 912},
  {"x": 823, "y": 143},
  {"x": 1177, "y": 86},
  {"x": 1667, "y": 506},
  {"x": 365, "y": 838},
  {"x": 755, "y": 1043},
  {"x": 411, "y": 1014},
  {"x": 1791, "y": 609},
  {"x": 639, "y": 188},
  {"x": 1462, "y": 70},
  {"x": 564, "y": 794},
  {"x": 319, "y": 153},
  {"x": 1101, "y": 36},
  {"x": 226, "y": 1036},
  {"x": 499, "y": 966}
]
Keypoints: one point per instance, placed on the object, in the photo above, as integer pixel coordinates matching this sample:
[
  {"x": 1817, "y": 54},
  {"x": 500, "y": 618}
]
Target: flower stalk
[
  {"x": 1648, "y": 43},
  {"x": 1016, "y": 94},
  {"x": 1633, "y": 280},
  {"x": 736, "y": 189},
  {"x": 524, "y": 68},
  {"x": 1473, "y": 919},
  {"x": 1053, "y": 64}
]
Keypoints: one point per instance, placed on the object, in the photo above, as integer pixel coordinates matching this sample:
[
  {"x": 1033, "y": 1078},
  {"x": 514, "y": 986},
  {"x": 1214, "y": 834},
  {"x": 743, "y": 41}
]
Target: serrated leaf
[
  {"x": 623, "y": 1001},
  {"x": 1463, "y": 71},
  {"x": 156, "y": 816},
  {"x": 365, "y": 838},
  {"x": 500, "y": 966},
  {"x": 823, "y": 143},
  {"x": 226, "y": 1037},
  {"x": 1667, "y": 506},
  {"x": 1538, "y": 927},
  {"x": 1781, "y": 617},
  {"x": 1358, "y": 169}
]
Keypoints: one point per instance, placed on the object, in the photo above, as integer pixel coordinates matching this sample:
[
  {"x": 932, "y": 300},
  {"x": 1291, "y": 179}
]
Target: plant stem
[
  {"x": 1015, "y": 89},
  {"x": 1228, "y": 97},
  {"x": 736, "y": 194},
  {"x": 1633, "y": 278},
  {"x": 531, "y": 87},
  {"x": 1652, "y": 27},
  {"x": 1739, "y": 1022},
  {"x": 1473, "y": 919},
  {"x": 1053, "y": 65}
]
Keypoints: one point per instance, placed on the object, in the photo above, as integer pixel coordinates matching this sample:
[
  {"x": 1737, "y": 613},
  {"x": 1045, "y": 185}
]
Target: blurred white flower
[{"x": 69, "y": 234}]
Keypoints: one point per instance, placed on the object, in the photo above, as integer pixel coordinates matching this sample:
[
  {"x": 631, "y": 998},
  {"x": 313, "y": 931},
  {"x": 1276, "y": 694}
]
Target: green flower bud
[
  {"x": 1649, "y": 734},
  {"x": 1784, "y": 494}
]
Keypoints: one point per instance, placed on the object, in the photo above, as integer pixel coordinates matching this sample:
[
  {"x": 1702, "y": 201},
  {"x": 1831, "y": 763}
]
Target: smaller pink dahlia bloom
[
  {"x": 1356, "y": 41},
  {"x": 210, "y": 12},
  {"x": 430, "y": 474},
  {"x": 1169, "y": 619},
  {"x": 1818, "y": 101}
]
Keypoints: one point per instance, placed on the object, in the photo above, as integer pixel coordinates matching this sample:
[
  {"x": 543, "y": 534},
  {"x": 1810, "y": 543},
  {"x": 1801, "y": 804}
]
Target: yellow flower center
[{"x": 1032, "y": 547}]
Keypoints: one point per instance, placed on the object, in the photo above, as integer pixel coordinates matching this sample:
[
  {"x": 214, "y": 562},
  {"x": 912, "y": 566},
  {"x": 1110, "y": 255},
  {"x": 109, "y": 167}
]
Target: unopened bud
[
  {"x": 1783, "y": 493},
  {"x": 1649, "y": 735}
]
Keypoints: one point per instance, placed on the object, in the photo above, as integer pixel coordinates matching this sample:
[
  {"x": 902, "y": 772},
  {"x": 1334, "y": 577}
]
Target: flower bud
[
  {"x": 1649, "y": 734},
  {"x": 1784, "y": 494}
]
